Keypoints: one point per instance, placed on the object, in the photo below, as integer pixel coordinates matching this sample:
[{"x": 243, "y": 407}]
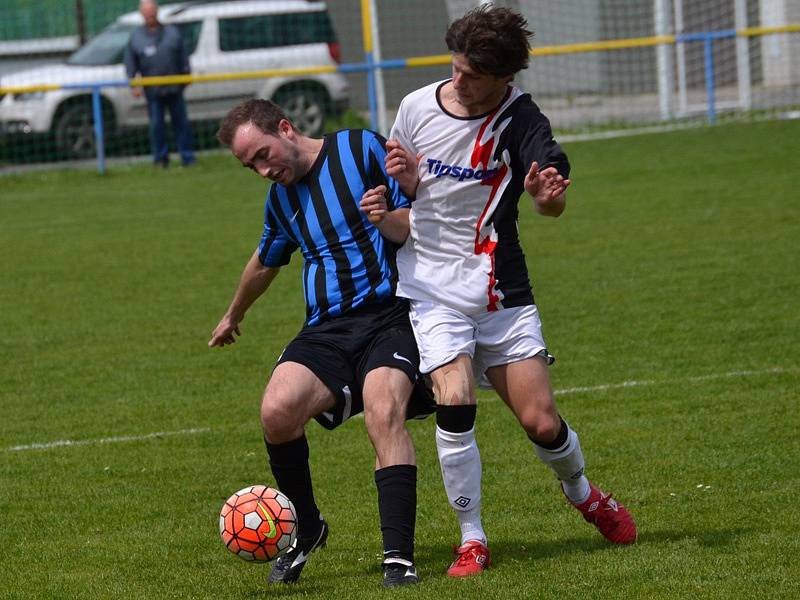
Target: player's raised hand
[
  {"x": 403, "y": 166},
  {"x": 373, "y": 204},
  {"x": 547, "y": 188},
  {"x": 223, "y": 332}
]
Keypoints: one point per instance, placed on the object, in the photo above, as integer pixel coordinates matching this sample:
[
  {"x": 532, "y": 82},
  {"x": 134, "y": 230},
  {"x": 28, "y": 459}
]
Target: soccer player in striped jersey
[
  {"x": 356, "y": 350},
  {"x": 466, "y": 148}
]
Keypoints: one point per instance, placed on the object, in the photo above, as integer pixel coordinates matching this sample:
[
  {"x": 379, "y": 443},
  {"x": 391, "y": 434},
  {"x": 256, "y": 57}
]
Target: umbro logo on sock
[
  {"x": 462, "y": 501},
  {"x": 577, "y": 474}
]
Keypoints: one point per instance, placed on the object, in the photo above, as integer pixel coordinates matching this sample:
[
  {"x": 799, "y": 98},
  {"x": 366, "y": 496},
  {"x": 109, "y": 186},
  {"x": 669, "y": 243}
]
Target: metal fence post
[
  {"x": 708, "y": 51},
  {"x": 366, "y": 34},
  {"x": 97, "y": 113}
]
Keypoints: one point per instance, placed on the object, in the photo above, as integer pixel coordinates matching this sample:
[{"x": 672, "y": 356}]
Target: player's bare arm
[
  {"x": 393, "y": 224},
  {"x": 255, "y": 280},
  {"x": 403, "y": 166},
  {"x": 548, "y": 190}
]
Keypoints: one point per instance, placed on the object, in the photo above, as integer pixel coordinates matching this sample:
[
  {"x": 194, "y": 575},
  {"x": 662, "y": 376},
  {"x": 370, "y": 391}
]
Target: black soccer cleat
[
  {"x": 287, "y": 568},
  {"x": 398, "y": 571}
]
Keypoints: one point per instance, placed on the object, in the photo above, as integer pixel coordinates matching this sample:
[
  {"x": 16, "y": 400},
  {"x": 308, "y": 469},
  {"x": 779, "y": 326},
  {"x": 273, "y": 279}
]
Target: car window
[
  {"x": 269, "y": 31},
  {"x": 106, "y": 48},
  {"x": 190, "y": 32}
]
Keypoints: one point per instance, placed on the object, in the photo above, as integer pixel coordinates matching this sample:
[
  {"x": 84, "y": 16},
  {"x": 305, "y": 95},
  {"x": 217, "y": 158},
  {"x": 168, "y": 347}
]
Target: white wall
[{"x": 781, "y": 52}]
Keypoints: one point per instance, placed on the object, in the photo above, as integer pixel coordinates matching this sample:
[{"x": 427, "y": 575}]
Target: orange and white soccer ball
[{"x": 258, "y": 523}]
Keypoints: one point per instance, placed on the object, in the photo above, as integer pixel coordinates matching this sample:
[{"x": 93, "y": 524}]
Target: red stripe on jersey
[{"x": 481, "y": 154}]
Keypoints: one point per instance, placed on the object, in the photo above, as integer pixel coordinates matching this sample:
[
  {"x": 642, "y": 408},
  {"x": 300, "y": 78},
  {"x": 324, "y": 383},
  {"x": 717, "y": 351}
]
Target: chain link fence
[{"x": 597, "y": 65}]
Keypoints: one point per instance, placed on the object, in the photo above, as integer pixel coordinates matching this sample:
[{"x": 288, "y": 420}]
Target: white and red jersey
[{"x": 463, "y": 250}]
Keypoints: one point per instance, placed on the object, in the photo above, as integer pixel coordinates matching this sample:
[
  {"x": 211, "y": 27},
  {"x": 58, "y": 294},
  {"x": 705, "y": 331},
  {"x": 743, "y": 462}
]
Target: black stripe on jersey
[
  {"x": 304, "y": 277},
  {"x": 529, "y": 138},
  {"x": 352, "y": 212},
  {"x": 276, "y": 220},
  {"x": 262, "y": 256},
  {"x": 312, "y": 252},
  {"x": 356, "y": 143},
  {"x": 346, "y": 285},
  {"x": 278, "y": 215},
  {"x": 321, "y": 288},
  {"x": 377, "y": 175}
]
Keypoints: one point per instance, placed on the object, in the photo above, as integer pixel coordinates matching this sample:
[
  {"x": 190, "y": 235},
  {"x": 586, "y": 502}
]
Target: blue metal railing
[{"x": 370, "y": 66}]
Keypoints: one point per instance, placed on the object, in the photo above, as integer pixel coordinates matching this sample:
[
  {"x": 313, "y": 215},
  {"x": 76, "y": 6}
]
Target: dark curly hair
[
  {"x": 493, "y": 39},
  {"x": 264, "y": 114}
]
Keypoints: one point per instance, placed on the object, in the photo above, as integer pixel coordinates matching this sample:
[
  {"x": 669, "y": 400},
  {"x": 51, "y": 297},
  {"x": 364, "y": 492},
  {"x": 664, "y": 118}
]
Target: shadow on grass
[
  {"x": 709, "y": 539},
  {"x": 319, "y": 582},
  {"x": 511, "y": 550},
  {"x": 306, "y": 587},
  {"x": 527, "y": 550},
  {"x": 433, "y": 559}
]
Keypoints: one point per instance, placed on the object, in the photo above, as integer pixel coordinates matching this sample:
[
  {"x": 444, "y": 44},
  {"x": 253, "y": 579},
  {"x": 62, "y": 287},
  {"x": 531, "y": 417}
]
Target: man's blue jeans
[{"x": 156, "y": 109}]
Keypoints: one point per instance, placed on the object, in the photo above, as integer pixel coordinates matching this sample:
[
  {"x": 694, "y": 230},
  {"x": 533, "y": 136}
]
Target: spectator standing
[{"x": 156, "y": 49}]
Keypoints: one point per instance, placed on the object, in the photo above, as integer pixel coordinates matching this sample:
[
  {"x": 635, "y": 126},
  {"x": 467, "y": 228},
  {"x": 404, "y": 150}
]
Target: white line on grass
[
  {"x": 108, "y": 440},
  {"x": 643, "y": 382},
  {"x": 618, "y": 133},
  {"x": 561, "y": 392}
]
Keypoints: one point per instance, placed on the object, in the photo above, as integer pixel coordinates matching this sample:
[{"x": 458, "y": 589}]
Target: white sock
[
  {"x": 568, "y": 464},
  {"x": 460, "y": 461}
]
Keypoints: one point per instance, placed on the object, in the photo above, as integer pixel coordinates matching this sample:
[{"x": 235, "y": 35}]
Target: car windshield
[{"x": 107, "y": 48}]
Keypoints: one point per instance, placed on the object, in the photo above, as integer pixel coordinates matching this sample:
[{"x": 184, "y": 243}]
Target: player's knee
[
  {"x": 384, "y": 416},
  {"x": 541, "y": 426},
  {"x": 280, "y": 418},
  {"x": 454, "y": 395}
]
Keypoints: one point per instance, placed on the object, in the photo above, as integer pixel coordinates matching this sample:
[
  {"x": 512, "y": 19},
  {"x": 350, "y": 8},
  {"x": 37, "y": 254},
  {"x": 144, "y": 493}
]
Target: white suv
[{"x": 221, "y": 37}]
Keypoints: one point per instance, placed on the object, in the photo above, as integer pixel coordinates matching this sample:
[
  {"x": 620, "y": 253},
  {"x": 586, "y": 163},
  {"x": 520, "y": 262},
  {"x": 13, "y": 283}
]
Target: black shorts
[{"x": 342, "y": 350}]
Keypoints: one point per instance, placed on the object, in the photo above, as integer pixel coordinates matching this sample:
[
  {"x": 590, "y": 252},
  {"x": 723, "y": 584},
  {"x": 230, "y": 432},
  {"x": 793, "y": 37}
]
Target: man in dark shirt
[
  {"x": 356, "y": 350},
  {"x": 156, "y": 49}
]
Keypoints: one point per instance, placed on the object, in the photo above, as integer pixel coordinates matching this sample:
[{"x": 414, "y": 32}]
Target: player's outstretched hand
[
  {"x": 223, "y": 333},
  {"x": 373, "y": 204},
  {"x": 547, "y": 188},
  {"x": 403, "y": 166}
]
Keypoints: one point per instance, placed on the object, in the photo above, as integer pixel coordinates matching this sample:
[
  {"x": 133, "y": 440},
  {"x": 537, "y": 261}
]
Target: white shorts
[{"x": 490, "y": 339}]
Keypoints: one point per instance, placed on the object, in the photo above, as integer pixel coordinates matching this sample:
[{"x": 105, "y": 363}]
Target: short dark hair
[
  {"x": 264, "y": 114},
  {"x": 494, "y": 40}
]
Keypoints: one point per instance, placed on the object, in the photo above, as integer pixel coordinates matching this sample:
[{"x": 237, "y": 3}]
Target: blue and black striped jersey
[{"x": 347, "y": 261}]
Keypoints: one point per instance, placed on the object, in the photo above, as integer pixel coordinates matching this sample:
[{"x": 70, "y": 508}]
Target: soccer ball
[{"x": 258, "y": 523}]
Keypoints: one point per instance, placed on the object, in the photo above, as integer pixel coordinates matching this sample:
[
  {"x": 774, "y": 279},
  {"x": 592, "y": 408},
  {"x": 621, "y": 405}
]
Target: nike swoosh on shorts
[{"x": 399, "y": 357}]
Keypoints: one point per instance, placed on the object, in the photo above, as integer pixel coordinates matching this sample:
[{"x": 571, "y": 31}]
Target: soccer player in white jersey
[{"x": 466, "y": 148}]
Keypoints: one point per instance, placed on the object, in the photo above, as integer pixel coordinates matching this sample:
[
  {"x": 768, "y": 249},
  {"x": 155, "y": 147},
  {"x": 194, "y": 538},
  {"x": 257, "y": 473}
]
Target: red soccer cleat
[
  {"x": 609, "y": 516},
  {"x": 472, "y": 557}
]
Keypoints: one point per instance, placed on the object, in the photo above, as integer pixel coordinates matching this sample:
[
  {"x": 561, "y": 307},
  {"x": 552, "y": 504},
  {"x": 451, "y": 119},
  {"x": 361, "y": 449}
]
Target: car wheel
[
  {"x": 305, "y": 108},
  {"x": 74, "y": 130}
]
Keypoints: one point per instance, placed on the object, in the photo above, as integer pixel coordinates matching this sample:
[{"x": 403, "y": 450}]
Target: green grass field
[{"x": 670, "y": 293}]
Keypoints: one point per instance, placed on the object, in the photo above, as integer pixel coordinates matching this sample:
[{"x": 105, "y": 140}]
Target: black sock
[
  {"x": 397, "y": 507},
  {"x": 456, "y": 419},
  {"x": 289, "y": 463}
]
